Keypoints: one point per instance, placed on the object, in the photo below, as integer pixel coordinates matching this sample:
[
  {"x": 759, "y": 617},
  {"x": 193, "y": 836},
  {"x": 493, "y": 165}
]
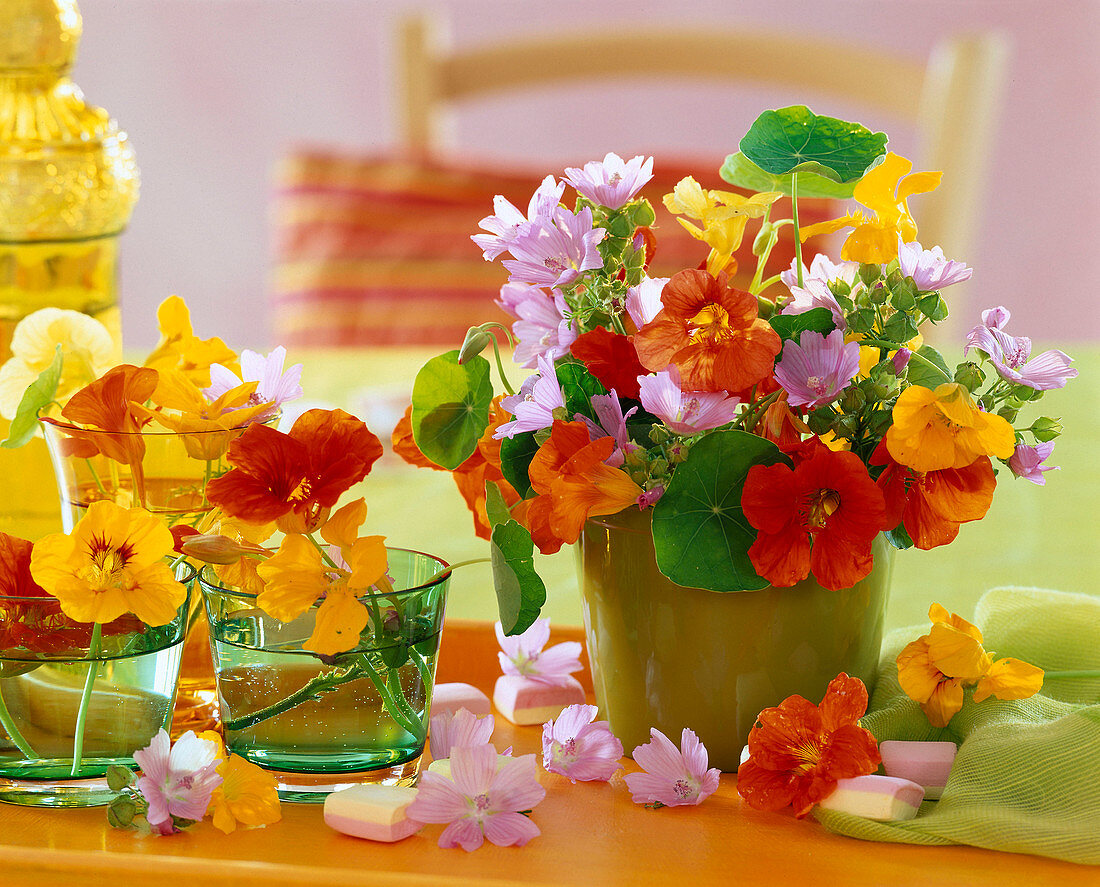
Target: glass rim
[
  {"x": 443, "y": 575},
  {"x": 39, "y": 598},
  {"x": 70, "y": 427}
]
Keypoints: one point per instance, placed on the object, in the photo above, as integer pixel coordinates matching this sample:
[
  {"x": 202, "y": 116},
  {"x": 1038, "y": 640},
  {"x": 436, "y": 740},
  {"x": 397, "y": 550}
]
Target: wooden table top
[{"x": 592, "y": 834}]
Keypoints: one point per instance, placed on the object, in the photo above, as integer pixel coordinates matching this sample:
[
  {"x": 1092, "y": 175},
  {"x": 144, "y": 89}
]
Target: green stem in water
[
  {"x": 9, "y": 725},
  {"x": 95, "y": 477},
  {"x": 85, "y": 698},
  {"x": 311, "y": 690},
  {"x": 412, "y": 726},
  {"x": 797, "y": 233}
]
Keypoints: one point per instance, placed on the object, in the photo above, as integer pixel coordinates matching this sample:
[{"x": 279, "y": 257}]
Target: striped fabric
[{"x": 377, "y": 251}]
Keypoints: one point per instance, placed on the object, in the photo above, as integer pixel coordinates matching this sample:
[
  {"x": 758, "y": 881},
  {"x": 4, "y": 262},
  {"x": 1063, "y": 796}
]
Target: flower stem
[
  {"x": 500, "y": 363},
  {"x": 913, "y": 355},
  {"x": 311, "y": 690},
  {"x": 794, "y": 219},
  {"x": 85, "y": 698},
  {"x": 447, "y": 570},
  {"x": 321, "y": 549},
  {"x": 9, "y": 725}
]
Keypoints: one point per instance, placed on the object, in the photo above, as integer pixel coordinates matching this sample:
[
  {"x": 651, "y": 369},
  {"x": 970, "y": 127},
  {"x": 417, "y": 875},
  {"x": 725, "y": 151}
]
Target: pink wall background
[{"x": 213, "y": 91}]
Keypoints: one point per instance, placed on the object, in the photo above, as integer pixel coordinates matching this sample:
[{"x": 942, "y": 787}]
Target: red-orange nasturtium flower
[
  {"x": 798, "y": 750},
  {"x": 573, "y": 484},
  {"x": 712, "y": 332},
  {"x": 294, "y": 479},
  {"x": 110, "y": 408},
  {"x": 821, "y": 516},
  {"x": 933, "y": 505},
  {"x": 945, "y": 429},
  {"x": 611, "y": 358},
  {"x": 934, "y": 669}
]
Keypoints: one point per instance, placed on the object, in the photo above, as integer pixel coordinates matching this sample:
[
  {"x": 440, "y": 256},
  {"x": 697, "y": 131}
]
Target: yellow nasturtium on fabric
[
  {"x": 296, "y": 575},
  {"x": 885, "y": 190},
  {"x": 934, "y": 669},
  {"x": 943, "y": 428}
]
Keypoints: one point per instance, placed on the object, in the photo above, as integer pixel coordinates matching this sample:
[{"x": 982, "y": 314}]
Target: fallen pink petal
[
  {"x": 462, "y": 729},
  {"x": 672, "y": 777},
  {"x": 579, "y": 747},
  {"x": 523, "y": 655},
  {"x": 177, "y": 780}
]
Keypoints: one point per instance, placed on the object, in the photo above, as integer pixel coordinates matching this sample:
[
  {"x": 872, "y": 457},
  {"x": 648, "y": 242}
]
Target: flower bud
[
  {"x": 1046, "y": 429},
  {"x": 214, "y": 549},
  {"x": 970, "y": 376},
  {"x": 476, "y": 341}
]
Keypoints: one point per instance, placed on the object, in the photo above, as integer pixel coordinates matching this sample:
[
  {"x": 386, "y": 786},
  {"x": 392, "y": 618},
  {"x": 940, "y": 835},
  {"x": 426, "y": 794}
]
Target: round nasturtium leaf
[
  {"x": 795, "y": 139},
  {"x": 450, "y": 407},
  {"x": 741, "y": 172},
  {"x": 700, "y": 533}
]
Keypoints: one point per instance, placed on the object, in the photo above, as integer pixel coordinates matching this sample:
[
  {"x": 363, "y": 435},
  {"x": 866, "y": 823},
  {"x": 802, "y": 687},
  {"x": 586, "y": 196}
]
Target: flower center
[
  {"x": 809, "y": 753},
  {"x": 822, "y": 505},
  {"x": 712, "y": 323},
  {"x": 481, "y": 802},
  {"x": 614, "y": 179},
  {"x": 555, "y": 264},
  {"x": 683, "y": 788},
  {"x": 107, "y": 562},
  {"x": 818, "y": 385},
  {"x": 301, "y": 492}
]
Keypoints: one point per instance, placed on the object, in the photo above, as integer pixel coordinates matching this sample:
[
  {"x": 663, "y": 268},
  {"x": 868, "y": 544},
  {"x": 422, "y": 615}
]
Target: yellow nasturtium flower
[
  {"x": 247, "y": 795},
  {"x": 112, "y": 563},
  {"x": 885, "y": 190},
  {"x": 934, "y": 669},
  {"x": 945, "y": 429},
  {"x": 179, "y": 347},
  {"x": 295, "y": 576},
  {"x": 722, "y": 214}
]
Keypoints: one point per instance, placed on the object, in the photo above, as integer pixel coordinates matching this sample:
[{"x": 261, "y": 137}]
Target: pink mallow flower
[
  {"x": 509, "y": 222},
  {"x": 929, "y": 268},
  {"x": 556, "y": 251},
  {"x": 816, "y": 369},
  {"x": 1011, "y": 355},
  {"x": 276, "y": 386},
  {"x": 534, "y": 404},
  {"x": 479, "y": 801},
  {"x": 523, "y": 654},
  {"x": 1027, "y": 462},
  {"x": 822, "y": 270},
  {"x": 685, "y": 412},
  {"x": 672, "y": 777},
  {"x": 612, "y": 182},
  {"x": 177, "y": 780},
  {"x": 643, "y": 302},
  {"x": 815, "y": 294},
  {"x": 542, "y": 328},
  {"x": 611, "y": 423},
  {"x": 578, "y": 746},
  {"x": 462, "y": 729}
]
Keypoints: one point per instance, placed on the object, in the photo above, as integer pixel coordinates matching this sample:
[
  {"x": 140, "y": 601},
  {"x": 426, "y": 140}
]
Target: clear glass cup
[
  {"x": 45, "y": 672},
  {"x": 325, "y": 723}
]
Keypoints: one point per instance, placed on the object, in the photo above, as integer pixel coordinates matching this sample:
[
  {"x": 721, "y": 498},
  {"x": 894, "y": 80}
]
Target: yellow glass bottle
[{"x": 68, "y": 184}]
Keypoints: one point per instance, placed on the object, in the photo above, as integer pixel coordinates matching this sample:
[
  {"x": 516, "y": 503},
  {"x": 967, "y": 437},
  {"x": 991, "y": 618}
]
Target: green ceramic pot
[{"x": 671, "y": 657}]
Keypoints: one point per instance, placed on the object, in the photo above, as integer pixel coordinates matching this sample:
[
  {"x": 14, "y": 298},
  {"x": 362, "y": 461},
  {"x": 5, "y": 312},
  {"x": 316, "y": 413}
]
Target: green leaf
[
  {"x": 900, "y": 327},
  {"x": 451, "y": 407},
  {"x": 520, "y": 591},
  {"x": 39, "y": 393},
  {"x": 795, "y": 139},
  {"x": 577, "y": 388},
  {"x": 700, "y": 533},
  {"x": 791, "y": 326},
  {"x": 899, "y": 537},
  {"x": 495, "y": 507},
  {"x": 516, "y": 454},
  {"x": 741, "y": 172},
  {"x": 919, "y": 373}
]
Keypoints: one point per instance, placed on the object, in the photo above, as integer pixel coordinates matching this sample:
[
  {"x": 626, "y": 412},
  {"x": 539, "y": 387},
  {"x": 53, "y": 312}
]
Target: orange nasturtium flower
[
  {"x": 934, "y": 669},
  {"x": 945, "y": 429},
  {"x": 798, "y": 750},
  {"x": 179, "y": 347},
  {"x": 885, "y": 190},
  {"x": 932, "y": 505},
  {"x": 712, "y": 332},
  {"x": 722, "y": 214},
  {"x": 110, "y": 409},
  {"x": 294, "y": 479},
  {"x": 112, "y": 563},
  {"x": 295, "y": 576},
  {"x": 247, "y": 795},
  {"x": 573, "y": 484}
]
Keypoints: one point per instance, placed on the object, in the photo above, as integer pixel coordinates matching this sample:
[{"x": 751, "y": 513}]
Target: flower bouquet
[{"x": 762, "y": 437}]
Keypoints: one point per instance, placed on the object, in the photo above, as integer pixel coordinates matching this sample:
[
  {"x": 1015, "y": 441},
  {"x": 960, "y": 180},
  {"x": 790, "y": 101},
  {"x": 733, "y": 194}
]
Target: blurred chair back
[{"x": 359, "y": 239}]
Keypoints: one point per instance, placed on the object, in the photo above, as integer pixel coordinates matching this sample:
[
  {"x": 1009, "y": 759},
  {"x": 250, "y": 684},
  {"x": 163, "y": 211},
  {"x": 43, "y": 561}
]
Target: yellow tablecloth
[{"x": 1038, "y": 536}]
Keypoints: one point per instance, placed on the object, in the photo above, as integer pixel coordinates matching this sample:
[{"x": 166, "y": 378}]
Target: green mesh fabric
[{"x": 1027, "y": 775}]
